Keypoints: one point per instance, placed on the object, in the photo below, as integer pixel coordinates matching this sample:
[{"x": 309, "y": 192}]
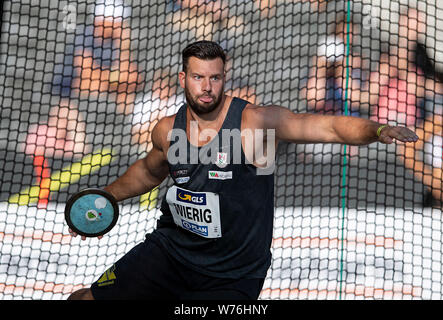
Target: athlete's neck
[{"x": 197, "y": 123}]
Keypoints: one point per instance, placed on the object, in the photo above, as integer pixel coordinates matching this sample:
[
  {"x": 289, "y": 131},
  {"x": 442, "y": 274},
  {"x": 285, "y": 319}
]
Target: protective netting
[{"x": 82, "y": 83}]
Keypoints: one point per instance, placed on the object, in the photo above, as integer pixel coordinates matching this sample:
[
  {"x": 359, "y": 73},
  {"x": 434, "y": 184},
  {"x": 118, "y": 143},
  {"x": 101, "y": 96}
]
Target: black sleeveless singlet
[{"x": 237, "y": 242}]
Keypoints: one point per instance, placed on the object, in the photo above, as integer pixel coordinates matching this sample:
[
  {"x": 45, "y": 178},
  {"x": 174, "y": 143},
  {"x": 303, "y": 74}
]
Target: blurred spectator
[
  {"x": 268, "y": 7},
  {"x": 325, "y": 89},
  {"x": 406, "y": 80},
  {"x": 202, "y": 19},
  {"x": 425, "y": 158},
  {"x": 161, "y": 101},
  {"x": 243, "y": 92},
  {"x": 99, "y": 60},
  {"x": 62, "y": 137},
  {"x": 317, "y": 5},
  {"x": 215, "y": 8},
  {"x": 240, "y": 88},
  {"x": 401, "y": 82},
  {"x": 406, "y": 77}
]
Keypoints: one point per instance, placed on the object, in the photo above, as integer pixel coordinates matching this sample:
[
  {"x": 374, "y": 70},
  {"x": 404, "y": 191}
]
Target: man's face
[{"x": 203, "y": 82}]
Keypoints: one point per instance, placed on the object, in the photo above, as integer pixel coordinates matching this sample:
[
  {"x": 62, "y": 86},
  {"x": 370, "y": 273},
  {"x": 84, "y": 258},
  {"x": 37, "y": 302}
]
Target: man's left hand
[{"x": 389, "y": 133}]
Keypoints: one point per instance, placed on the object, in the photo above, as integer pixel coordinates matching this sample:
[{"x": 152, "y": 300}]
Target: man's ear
[{"x": 181, "y": 78}]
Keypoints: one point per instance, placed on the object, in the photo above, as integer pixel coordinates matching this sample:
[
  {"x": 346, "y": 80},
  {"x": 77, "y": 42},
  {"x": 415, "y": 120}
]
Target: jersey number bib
[{"x": 198, "y": 212}]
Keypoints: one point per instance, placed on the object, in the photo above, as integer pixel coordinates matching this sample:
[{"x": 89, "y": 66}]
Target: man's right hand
[{"x": 73, "y": 234}]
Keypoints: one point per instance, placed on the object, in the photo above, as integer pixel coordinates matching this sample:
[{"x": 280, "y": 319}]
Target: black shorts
[{"x": 148, "y": 272}]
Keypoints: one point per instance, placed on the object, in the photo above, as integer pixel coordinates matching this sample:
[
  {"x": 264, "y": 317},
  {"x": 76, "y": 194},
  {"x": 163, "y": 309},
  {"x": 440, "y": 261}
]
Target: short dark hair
[{"x": 204, "y": 50}]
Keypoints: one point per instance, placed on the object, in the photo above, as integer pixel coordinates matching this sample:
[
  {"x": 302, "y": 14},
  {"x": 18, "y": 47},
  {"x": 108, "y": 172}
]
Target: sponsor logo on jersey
[
  {"x": 182, "y": 180},
  {"x": 107, "y": 278},
  {"x": 180, "y": 173},
  {"x": 195, "y": 211},
  {"x": 191, "y": 197},
  {"x": 220, "y": 175},
  {"x": 201, "y": 230}
]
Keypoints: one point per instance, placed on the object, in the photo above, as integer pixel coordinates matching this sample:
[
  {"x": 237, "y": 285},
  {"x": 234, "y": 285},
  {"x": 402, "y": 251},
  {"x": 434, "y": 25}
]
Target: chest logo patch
[{"x": 222, "y": 159}]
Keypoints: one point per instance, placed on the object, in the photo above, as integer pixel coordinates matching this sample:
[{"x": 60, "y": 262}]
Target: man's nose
[{"x": 206, "y": 85}]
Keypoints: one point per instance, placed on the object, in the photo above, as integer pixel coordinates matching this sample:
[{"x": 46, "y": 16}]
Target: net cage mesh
[{"x": 82, "y": 83}]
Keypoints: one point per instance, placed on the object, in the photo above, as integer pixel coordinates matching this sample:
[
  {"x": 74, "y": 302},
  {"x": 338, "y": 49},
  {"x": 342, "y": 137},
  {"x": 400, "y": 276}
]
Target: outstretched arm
[
  {"x": 316, "y": 128},
  {"x": 145, "y": 174}
]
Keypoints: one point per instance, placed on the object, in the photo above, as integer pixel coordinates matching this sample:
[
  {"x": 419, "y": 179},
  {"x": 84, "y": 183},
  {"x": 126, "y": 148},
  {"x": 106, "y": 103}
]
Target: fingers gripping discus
[{"x": 91, "y": 212}]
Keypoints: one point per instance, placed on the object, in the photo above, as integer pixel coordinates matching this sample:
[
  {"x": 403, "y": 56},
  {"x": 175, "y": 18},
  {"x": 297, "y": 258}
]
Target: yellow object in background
[
  {"x": 63, "y": 178},
  {"x": 149, "y": 200}
]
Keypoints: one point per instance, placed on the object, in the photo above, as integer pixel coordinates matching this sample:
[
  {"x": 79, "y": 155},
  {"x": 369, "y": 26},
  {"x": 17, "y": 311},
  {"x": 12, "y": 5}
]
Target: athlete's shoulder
[
  {"x": 258, "y": 109},
  {"x": 268, "y": 117},
  {"x": 166, "y": 123},
  {"x": 255, "y": 116}
]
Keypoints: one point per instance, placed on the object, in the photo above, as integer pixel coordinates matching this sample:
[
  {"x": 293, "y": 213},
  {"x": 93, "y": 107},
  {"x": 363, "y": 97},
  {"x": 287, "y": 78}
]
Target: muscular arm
[
  {"x": 316, "y": 128},
  {"x": 145, "y": 174}
]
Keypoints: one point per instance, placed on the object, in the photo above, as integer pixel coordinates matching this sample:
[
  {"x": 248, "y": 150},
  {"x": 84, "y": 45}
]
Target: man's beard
[{"x": 199, "y": 108}]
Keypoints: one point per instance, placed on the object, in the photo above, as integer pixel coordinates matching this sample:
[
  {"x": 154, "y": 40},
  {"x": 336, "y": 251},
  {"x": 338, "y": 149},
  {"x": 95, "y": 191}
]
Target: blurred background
[{"x": 82, "y": 83}]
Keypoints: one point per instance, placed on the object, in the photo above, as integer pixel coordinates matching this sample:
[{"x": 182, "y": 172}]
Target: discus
[{"x": 91, "y": 212}]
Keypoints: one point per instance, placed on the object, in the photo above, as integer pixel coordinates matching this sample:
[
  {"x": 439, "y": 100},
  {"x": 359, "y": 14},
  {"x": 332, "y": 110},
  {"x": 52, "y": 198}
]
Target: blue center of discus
[{"x": 92, "y": 213}]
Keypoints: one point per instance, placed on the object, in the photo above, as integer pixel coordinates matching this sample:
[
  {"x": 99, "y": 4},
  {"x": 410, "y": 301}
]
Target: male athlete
[{"x": 213, "y": 239}]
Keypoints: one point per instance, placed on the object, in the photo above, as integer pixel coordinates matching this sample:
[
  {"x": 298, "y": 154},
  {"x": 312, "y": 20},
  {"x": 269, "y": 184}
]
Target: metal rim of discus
[{"x": 82, "y": 193}]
